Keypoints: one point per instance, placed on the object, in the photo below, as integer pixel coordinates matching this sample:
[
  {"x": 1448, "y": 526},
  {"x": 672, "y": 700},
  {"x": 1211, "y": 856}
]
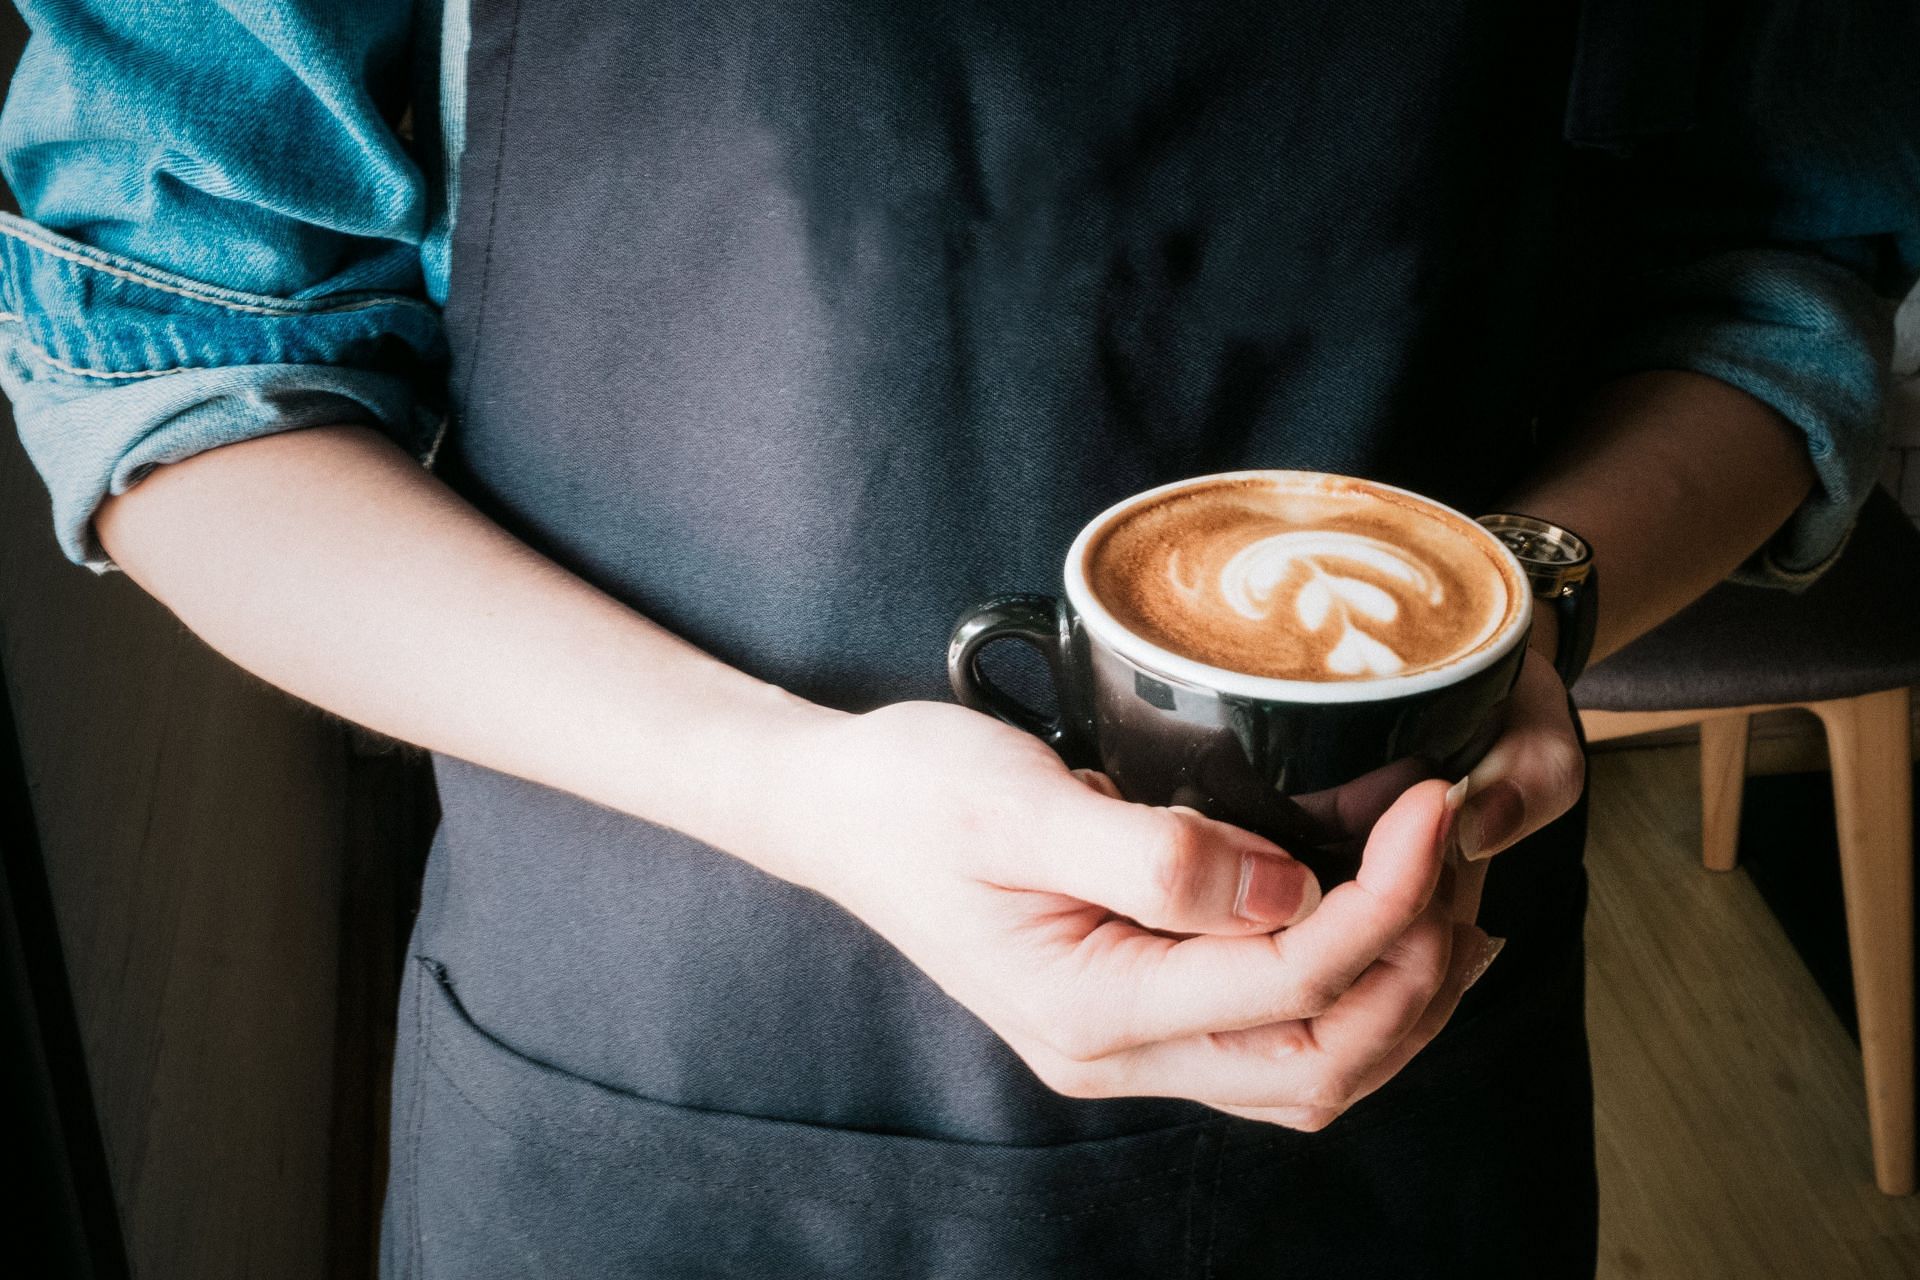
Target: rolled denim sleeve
[
  {"x": 221, "y": 238},
  {"x": 1767, "y": 244}
]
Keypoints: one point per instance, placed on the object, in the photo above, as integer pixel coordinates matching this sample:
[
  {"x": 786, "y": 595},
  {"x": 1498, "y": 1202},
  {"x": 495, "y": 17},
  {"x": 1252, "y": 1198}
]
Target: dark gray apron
[{"x": 800, "y": 325}]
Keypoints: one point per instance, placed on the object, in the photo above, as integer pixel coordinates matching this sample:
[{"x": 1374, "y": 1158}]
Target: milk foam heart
[{"x": 1329, "y": 580}]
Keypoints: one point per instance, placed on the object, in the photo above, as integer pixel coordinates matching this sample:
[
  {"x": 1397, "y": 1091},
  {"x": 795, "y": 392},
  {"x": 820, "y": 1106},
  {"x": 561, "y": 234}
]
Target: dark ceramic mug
[{"x": 1308, "y": 764}]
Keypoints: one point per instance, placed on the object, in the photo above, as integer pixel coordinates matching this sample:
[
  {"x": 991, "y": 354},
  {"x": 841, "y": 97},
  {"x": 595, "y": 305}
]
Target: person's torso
[{"x": 801, "y": 326}]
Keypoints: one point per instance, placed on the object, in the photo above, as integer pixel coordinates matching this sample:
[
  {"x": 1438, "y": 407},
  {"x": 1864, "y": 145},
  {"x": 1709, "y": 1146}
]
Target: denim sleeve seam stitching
[
  {"x": 80, "y": 371},
  {"x": 432, "y": 454},
  {"x": 288, "y": 308}
]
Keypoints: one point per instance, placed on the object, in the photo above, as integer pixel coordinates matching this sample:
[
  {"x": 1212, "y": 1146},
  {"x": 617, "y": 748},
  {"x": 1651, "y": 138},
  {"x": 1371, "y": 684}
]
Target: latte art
[
  {"x": 1337, "y": 581},
  {"x": 1315, "y": 568}
]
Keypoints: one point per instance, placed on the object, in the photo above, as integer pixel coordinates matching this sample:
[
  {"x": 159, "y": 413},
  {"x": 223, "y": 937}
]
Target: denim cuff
[
  {"x": 115, "y": 367},
  {"x": 1801, "y": 334}
]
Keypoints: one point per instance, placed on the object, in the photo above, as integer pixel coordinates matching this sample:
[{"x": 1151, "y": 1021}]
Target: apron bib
[{"x": 801, "y": 326}]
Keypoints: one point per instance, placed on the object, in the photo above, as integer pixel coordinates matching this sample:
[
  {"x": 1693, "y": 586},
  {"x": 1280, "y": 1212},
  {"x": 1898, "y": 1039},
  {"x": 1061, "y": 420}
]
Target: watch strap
[{"x": 1577, "y": 608}]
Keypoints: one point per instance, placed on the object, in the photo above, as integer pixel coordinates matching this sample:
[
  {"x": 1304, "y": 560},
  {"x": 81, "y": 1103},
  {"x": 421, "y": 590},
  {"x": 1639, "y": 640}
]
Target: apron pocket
[{"x": 516, "y": 1168}]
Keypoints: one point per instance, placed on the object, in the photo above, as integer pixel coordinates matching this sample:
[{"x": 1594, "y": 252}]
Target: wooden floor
[{"x": 1732, "y": 1124}]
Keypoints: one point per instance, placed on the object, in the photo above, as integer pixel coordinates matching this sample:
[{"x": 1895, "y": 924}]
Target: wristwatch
[{"x": 1559, "y": 564}]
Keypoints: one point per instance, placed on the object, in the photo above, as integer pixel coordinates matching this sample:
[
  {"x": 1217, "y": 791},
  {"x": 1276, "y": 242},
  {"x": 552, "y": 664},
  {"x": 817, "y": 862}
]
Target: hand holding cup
[
  {"x": 1117, "y": 947},
  {"x": 1316, "y": 659}
]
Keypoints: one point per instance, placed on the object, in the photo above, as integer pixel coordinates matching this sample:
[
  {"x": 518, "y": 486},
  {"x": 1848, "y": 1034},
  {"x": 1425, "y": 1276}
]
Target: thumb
[
  {"x": 1170, "y": 869},
  {"x": 1532, "y": 774}
]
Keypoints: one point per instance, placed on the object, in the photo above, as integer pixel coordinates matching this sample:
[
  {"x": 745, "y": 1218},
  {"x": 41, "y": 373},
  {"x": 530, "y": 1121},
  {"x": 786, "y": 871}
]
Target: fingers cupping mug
[{"x": 1284, "y": 650}]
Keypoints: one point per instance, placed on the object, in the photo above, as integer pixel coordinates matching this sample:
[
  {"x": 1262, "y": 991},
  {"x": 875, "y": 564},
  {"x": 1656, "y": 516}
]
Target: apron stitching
[
  {"x": 441, "y": 1068},
  {"x": 1213, "y": 1199},
  {"x": 1193, "y": 1191},
  {"x": 417, "y": 1106},
  {"x": 493, "y": 204},
  {"x": 446, "y": 986}
]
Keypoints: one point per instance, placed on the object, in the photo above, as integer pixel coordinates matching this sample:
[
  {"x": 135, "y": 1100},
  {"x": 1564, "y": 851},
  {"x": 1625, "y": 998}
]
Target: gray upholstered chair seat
[{"x": 1855, "y": 630}]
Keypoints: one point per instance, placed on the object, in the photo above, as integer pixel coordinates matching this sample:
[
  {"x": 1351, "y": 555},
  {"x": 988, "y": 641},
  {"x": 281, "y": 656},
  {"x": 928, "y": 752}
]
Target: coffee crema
[{"x": 1330, "y": 578}]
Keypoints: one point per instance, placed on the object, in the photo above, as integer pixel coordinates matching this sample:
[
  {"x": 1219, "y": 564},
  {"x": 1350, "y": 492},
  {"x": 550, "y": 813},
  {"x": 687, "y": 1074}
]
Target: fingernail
[
  {"x": 1098, "y": 781},
  {"x": 1272, "y": 893},
  {"x": 1457, "y": 793},
  {"x": 1488, "y": 950},
  {"x": 1491, "y": 820}
]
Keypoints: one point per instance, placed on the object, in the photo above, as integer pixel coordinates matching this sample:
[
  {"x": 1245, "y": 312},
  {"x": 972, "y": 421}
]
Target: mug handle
[
  {"x": 1036, "y": 621},
  {"x": 1578, "y": 607}
]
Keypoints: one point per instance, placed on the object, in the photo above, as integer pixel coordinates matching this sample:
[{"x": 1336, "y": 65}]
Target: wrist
[
  {"x": 766, "y": 795},
  {"x": 800, "y": 827},
  {"x": 728, "y": 766}
]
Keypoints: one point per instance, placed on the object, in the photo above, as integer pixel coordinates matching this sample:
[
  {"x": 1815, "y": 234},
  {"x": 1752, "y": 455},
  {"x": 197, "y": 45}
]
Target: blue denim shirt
[{"x": 226, "y": 235}]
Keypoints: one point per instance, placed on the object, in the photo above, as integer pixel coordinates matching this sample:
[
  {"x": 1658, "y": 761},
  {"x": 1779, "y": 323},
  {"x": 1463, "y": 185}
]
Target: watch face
[
  {"x": 1553, "y": 557},
  {"x": 1536, "y": 541},
  {"x": 1541, "y": 548}
]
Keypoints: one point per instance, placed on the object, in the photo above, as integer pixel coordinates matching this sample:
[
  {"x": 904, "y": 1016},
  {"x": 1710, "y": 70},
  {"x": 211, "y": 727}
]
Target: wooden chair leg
[
  {"x": 1723, "y": 776},
  {"x": 1873, "y": 801}
]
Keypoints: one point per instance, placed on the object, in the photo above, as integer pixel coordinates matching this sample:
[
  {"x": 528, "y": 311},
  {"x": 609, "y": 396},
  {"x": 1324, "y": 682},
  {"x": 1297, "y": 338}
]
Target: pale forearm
[
  {"x": 329, "y": 564},
  {"x": 1675, "y": 478}
]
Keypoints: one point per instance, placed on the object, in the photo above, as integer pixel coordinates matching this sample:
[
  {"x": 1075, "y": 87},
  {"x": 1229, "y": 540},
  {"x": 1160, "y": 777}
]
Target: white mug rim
[{"x": 1156, "y": 660}]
